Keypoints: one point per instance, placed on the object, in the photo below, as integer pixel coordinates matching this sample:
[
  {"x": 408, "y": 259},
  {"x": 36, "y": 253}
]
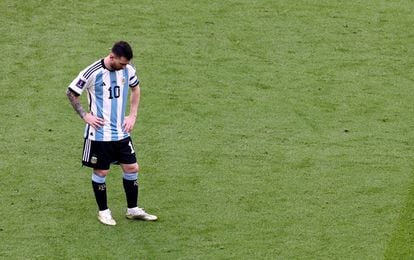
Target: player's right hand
[{"x": 93, "y": 121}]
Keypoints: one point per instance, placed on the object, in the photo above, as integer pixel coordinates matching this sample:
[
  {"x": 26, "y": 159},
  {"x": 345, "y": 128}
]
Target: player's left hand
[{"x": 129, "y": 123}]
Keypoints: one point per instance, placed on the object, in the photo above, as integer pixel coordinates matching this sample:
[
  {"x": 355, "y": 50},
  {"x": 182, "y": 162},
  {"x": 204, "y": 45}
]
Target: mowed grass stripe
[{"x": 401, "y": 242}]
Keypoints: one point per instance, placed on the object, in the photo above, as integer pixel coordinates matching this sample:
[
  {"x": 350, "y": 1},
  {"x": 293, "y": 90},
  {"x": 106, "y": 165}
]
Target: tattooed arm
[
  {"x": 90, "y": 119},
  {"x": 75, "y": 101}
]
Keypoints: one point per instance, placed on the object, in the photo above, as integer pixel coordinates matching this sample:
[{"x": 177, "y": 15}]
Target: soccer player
[{"x": 107, "y": 132}]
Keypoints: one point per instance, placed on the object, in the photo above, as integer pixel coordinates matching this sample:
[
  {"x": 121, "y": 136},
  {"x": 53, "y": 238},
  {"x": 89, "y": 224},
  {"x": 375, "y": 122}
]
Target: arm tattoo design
[{"x": 74, "y": 100}]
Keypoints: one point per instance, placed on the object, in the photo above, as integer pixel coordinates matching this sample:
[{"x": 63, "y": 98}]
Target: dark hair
[{"x": 122, "y": 49}]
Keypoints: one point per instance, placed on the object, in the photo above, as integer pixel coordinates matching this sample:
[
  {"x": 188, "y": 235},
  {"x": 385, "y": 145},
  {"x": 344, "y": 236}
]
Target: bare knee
[
  {"x": 130, "y": 167},
  {"x": 101, "y": 173}
]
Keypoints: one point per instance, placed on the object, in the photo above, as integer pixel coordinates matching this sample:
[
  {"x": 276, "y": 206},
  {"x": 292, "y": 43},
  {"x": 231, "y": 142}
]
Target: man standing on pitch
[{"x": 107, "y": 132}]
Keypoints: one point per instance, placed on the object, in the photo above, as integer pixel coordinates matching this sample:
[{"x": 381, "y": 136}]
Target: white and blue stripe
[{"x": 107, "y": 97}]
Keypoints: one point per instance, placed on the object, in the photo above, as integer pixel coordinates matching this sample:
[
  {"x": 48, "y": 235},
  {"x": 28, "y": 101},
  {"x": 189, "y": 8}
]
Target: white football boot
[
  {"x": 105, "y": 217},
  {"x": 139, "y": 213}
]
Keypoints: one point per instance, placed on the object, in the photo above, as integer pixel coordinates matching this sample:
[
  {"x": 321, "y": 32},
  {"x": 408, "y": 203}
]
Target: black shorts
[{"x": 100, "y": 155}]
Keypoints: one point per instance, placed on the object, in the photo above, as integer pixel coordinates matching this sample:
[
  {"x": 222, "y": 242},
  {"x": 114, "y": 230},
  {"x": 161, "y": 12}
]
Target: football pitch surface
[{"x": 267, "y": 130}]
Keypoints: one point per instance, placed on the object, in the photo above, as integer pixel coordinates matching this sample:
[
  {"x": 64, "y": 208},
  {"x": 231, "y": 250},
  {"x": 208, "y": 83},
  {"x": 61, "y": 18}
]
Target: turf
[{"x": 267, "y": 130}]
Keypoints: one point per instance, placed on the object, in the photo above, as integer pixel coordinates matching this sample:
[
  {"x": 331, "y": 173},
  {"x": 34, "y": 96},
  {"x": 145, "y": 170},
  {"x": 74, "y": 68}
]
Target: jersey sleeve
[
  {"x": 79, "y": 84},
  {"x": 85, "y": 78},
  {"x": 133, "y": 80}
]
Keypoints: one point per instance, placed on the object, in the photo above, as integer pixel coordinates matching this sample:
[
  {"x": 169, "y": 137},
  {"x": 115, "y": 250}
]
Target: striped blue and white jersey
[{"x": 107, "y": 97}]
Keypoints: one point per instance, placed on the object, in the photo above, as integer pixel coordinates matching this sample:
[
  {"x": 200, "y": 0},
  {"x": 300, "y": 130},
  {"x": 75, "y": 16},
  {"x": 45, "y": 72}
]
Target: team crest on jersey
[
  {"x": 80, "y": 83},
  {"x": 123, "y": 81}
]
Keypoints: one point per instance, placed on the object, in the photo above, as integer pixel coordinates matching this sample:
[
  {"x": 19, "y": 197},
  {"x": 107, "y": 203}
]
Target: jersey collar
[{"x": 103, "y": 65}]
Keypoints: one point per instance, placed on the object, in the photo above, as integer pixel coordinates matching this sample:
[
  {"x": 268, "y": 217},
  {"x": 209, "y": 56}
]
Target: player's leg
[
  {"x": 130, "y": 168},
  {"x": 99, "y": 189},
  {"x": 128, "y": 161},
  {"x": 130, "y": 180},
  {"x": 130, "y": 183},
  {"x": 97, "y": 155}
]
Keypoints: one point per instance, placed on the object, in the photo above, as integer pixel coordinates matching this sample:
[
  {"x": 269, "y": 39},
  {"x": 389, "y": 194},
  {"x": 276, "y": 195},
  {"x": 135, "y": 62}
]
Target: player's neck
[{"x": 107, "y": 63}]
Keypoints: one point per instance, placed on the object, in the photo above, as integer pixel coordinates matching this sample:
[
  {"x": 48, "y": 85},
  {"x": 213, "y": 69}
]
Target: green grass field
[{"x": 267, "y": 129}]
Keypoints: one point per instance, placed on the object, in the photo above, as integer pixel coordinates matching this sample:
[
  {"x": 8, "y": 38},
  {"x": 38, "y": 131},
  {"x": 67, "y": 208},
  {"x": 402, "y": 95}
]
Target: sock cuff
[
  {"x": 98, "y": 179},
  {"x": 130, "y": 176}
]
